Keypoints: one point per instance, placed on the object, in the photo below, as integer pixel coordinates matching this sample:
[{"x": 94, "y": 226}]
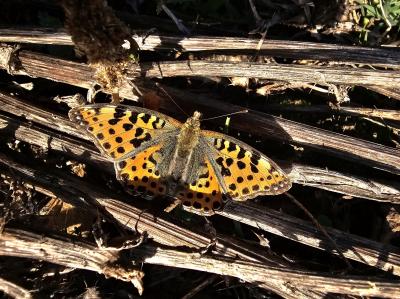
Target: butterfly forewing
[
  {"x": 244, "y": 171},
  {"x": 118, "y": 129}
]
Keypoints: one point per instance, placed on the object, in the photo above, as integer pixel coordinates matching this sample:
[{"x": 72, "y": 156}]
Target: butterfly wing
[
  {"x": 120, "y": 130},
  {"x": 144, "y": 173},
  {"x": 242, "y": 171},
  {"x": 204, "y": 195},
  {"x": 140, "y": 174}
]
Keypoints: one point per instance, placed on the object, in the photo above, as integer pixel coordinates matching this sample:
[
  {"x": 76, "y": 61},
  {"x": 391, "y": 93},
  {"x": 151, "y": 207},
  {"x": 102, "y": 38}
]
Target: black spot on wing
[
  {"x": 255, "y": 157},
  {"x": 204, "y": 175},
  {"x": 254, "y": 168},
  {"x": 219, "y": 144},
  {"x": 241, "y": 154},
  {"x": 216, "y": 205},
  {"x": 231, "y": 147},
  {"x": 254, "y": 160},
  {"x": 133, "y": 118},
  {"x": 114, "y": 121},
  {"x": 229, "y": 162},
  {"x": 145, "y": 118},
  {"x": 120, "y": 150},
  {"x": 197, "y": 205},
  {"x": 152, "y": 160},
  {"x": 219, "y": 161},
  {"x": 127, "y": 126},
  {"x": 241, "y": 165},
  {"x": 122, "y": 164},
  {"x": 136, "y": 142},
  {"x": 139, "y": 131},
  {"x": 120, "y": 112},
  {"x": 224, "y": 171},
  {"x": 158, "y": 123}
]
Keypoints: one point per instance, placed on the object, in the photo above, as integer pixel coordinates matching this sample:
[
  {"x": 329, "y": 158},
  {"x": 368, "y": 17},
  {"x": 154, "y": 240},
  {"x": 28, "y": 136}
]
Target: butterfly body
[
  {"x": 156, "y": 155},
  {"x": 184, "y": 158}
]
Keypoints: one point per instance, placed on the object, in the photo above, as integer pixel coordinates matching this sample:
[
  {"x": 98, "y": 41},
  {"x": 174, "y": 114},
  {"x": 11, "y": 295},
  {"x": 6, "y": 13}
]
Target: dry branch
[
  {"x": 25, "y": 244},
  {"x": 391, "y": 92},
  {"x": 287, "y": 282},
  {"x": 291, "y": 73},
  {"x": 353, "y": 185},
  {"x": 359, "y": 249},
  {"x": 279, "y": 48},
  {"x": 257, "y": 273},
  {"x": 269, "y": 126},
  {"x": 357, "y": 111},
  {"x": 352, "y": 247},
  {"x": 380, "y": 190},
  {"x": 14, "y": 291},
  {"x": 160, "y": 230},
  {"x": 78, "y": 255}
]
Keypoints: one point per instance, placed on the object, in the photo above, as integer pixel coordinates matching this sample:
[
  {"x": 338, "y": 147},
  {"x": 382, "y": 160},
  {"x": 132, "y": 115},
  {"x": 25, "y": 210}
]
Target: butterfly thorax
[{"x": 188, "y": 137}]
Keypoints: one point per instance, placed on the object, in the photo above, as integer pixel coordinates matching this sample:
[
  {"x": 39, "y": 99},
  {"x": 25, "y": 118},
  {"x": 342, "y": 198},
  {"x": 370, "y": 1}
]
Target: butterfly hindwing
[
  {"x": 119, "y": 129},
  {"x": 139, "y": 173},
  {"x": 244, "y": 171},
  {"x": 204, "y": 195}
]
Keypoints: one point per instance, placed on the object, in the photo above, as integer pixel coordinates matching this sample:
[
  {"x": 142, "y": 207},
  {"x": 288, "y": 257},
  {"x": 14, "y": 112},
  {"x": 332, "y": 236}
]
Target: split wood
[
  {"x": 162, "y": 231},
  {"x": 277, "y": 48},
  {"x": 380, "y": 190},
  {"x": 68, "y": 253},
  {"x": 25, "y": 244},
  {"x": 351, "y": 55},
  {"x": 14, "y": 291},
  {"x": 353, "y": 247},
  {"x": 354, "y": 149}
]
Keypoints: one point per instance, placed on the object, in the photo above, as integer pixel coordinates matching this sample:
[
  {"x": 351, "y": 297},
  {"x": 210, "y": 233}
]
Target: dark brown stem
[
  {"x": 277, "y": 48},
  {"x": 291, "y": 73},
  {"x": 356, "y": 248},
  {"x": 368, "y": 153},
  {"x": 13, "y": 290},
  {"x": 75, "y": 254},
  {"x": 254, "y": 273}
]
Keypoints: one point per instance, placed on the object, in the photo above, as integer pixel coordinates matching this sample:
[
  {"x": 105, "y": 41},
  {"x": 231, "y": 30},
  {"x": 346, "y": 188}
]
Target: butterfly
[{"x": 156, "y": 155}]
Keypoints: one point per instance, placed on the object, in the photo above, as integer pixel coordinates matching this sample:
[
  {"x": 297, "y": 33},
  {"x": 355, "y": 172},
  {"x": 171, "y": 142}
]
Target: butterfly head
[{"x": 194, "y": 121}]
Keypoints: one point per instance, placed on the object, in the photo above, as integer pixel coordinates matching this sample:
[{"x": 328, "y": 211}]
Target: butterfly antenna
[
  {"x": 229, "y": 114},
  {"x": 172, "y": 100}
]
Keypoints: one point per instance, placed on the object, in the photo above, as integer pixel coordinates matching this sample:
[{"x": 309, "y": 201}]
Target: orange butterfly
[{"x": 156, "y": 155}]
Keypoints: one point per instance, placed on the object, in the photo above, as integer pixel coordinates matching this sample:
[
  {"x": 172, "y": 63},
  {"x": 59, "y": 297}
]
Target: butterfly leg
[
  {"x": 173, "y": 205},
  {"x": 209, "y": 228},
  {"x": 106, "y": 242}
]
